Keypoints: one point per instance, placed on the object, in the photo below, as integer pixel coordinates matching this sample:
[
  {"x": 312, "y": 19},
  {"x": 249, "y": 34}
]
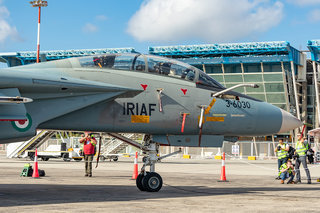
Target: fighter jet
[{"x": 172, "y": 103}]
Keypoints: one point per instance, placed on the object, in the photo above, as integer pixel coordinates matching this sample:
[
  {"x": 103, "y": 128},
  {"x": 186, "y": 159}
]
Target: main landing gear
[{"x": 147, "y": 181}]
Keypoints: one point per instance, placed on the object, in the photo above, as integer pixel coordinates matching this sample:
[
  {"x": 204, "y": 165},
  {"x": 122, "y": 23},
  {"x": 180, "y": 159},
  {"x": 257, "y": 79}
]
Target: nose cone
[{"x": 289, "y": 122}]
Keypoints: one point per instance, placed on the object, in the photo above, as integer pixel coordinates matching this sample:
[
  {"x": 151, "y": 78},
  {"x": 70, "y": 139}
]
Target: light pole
[{"x": 39, "y": 4}]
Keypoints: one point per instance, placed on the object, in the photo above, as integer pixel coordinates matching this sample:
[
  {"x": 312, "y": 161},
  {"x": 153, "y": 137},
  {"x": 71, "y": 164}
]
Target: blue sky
[{"x": 79, "y": 24}]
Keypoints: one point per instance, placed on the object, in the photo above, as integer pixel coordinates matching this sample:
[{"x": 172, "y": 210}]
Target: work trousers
[
  {"x": 280, "y": 162},
  {"x": 303, "y": 160},
  {"x": 88, "y": 164},
  {"x": 286, "y": 175}
]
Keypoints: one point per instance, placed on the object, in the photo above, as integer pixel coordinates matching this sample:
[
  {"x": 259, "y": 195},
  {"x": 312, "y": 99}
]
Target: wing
[{"x": 50, "y": 99}]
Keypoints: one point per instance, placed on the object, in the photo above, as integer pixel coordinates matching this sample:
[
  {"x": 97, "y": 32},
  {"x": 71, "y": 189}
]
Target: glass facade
[{"x": 269, "y": 77}]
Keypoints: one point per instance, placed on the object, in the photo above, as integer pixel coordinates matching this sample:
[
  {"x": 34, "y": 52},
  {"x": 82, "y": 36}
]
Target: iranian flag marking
[{"x": 22, "y": 125}]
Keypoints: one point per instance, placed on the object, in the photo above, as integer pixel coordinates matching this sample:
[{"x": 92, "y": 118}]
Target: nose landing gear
[
  {"x": 147, "y": 181},
  {"x": 151, "y": 181}
]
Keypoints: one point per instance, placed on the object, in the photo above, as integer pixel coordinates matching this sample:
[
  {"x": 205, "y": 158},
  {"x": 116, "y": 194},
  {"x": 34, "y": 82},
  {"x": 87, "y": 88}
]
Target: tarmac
[{"x": 190, "y": 185}]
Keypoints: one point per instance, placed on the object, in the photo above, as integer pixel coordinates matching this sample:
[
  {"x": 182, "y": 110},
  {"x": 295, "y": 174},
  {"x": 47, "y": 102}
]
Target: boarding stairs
[
  {"x": 35, "y": 142},
  {"x": 113, "y": 146}
]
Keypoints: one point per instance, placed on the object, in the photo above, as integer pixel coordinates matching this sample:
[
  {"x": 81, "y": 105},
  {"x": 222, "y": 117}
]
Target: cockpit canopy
[{"x": 151, "y": 64}]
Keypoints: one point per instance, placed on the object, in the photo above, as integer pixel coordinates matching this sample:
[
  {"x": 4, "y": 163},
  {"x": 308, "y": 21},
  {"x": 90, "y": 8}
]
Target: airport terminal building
[{"x": 287, "y": 78}]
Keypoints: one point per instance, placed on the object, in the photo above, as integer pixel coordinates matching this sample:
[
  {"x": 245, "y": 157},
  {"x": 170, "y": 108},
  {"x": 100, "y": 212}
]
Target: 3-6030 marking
[{"x": 238, "y": 104}]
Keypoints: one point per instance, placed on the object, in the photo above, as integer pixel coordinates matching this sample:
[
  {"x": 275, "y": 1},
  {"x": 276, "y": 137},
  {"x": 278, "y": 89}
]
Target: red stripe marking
[
  {"x": 19, "y": 120},
  {"x": 183, "y": 122}
]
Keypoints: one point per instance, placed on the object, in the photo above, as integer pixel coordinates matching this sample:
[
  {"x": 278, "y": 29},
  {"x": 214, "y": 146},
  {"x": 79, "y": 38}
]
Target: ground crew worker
[
  {"x": 89, "y": 143},
  {"x": 301, "y": 150},
  {"x": 281, "y": 150},
  {"x": 286, "y": 171}
]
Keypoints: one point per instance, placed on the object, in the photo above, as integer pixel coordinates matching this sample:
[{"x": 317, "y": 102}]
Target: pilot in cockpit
[{"x": 188, "y": 74}]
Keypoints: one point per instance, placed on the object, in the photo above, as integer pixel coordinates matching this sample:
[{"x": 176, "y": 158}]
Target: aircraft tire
[
  {"x": 31, "y": 157},
  {"x": 144, "y": 159},
  {"x": 65, "y": 157},
  {"x": 102, "y": 158},
  {"x": 139, "y": 181},
  {"x": 152, "y": 182}
]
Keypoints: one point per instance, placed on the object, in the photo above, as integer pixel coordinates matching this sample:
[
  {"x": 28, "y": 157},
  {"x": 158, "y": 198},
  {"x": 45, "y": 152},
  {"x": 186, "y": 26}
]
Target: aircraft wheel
[
  {"x": 152, "y": 182},
  {"x": 115, "y": 159},
  {"x": 102, "y": 158},
  {"x": 139, "y": 182},
  {"x": 144, "y": 159},
  {"x": 65, "y": 157},
  {"x": 31, "y": 157}
]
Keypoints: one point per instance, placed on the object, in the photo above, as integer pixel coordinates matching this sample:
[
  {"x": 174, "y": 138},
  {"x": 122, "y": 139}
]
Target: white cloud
[
  {"x": 6, "y": 30},
  {"x": 89, "y": 28},
  {"x": 314, "y": 15},
  {"x": 210, "y": 20},
  {"x": 304, "y": 2},
  {"x": 101, "y": 17}
]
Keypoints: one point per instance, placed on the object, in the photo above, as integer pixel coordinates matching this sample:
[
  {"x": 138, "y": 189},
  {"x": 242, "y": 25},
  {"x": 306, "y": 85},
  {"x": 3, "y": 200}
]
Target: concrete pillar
[
  {"x": 223, "y": 72},
  {"x": 243, "y": 81},
  {"x": 255, "y": 146},
  {"x": 204, "y": 68},
  {"x": 274, "y": 145},
  {"x": 295, "y": 90},
  {"x": 295, "y": 97},
  {"x": 304, "y": 113},
  {"x": 172, "y": 148},
  {"x": 263, "y": 83},
  {"x": 285, "y": 85},
  {"x": 316, "y": 94}
]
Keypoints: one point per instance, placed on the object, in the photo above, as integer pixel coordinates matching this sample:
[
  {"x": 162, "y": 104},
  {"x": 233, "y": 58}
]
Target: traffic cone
[
  {"x": 135, "y": 167},
  {"x": 223, "y": 169},
  {"x": 35, "y": 169}
]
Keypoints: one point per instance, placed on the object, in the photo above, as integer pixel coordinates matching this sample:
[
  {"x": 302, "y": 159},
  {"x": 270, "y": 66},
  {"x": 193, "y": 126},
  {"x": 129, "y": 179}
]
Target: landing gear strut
[{"x": 147, "y": 181}]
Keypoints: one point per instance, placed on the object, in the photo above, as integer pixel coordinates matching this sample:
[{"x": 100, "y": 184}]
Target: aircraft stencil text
[{"x": 138, "y": 108}]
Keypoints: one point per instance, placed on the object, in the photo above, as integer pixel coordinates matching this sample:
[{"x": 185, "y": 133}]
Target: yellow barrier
[
  {"x": 252, "y": 158},
  {"x": 186, "y": 156},
  {"x": 217, "y": 157}
]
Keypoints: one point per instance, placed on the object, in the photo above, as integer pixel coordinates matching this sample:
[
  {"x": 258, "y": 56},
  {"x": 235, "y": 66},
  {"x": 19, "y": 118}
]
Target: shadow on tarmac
[{"x": 39, "y": 194}]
